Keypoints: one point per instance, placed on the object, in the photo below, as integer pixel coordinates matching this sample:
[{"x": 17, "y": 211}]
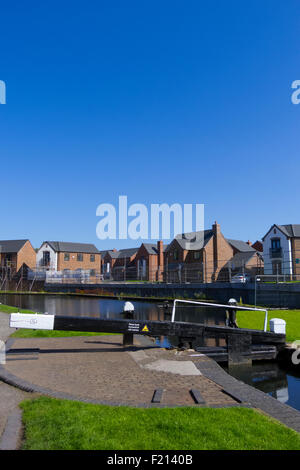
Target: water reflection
[
  {"x": 110, "y": 308},
  {"x": 271, "y": 378}
]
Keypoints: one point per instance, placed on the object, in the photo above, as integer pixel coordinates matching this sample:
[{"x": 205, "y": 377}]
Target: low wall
[{"x": 269, "y": 295}]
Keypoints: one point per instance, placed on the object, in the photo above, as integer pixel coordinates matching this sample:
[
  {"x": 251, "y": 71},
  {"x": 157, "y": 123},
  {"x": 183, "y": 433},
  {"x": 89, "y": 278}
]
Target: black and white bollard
[
  {"x": 231, "y": 314},
  {"x": 128, "y": 311}
]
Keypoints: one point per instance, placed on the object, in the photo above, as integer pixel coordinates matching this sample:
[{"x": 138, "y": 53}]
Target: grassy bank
[
  {"x": 52, "y": 424},
  {"x": 255, "y": 321},
  {"x": 27, "y": 333}
]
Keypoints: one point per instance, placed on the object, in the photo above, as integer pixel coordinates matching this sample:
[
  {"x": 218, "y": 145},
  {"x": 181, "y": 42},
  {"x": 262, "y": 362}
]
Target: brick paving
[
  {"x": 98, "y": 369},
  {"x": 10, "y": 397}
]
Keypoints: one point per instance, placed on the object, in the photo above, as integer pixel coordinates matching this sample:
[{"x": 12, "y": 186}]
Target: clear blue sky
[{"x": 163, "y": 101}]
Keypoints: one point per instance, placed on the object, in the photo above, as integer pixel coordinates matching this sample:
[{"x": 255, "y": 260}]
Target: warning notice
[
  {"x": 145, "y": 329},
  {"x": 134, "y": 327}
]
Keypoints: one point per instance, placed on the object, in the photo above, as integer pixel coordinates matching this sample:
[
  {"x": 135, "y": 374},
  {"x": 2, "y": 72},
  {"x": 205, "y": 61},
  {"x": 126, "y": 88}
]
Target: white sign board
[{"x": 33, "y": 321}]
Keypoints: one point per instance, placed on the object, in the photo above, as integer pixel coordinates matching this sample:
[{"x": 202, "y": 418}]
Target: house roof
[
  {"x": 124, "y": 253},
  {"x": 11, "y": 246},
  {"x": 185, "y": 239},
  {"x": 241, "y": 246},
  {"x": 71, "y": 247},
  {"x": 152, "y": 249},
  {"x": 241, "y": 259},
  {"x": 290, "y": 230}
]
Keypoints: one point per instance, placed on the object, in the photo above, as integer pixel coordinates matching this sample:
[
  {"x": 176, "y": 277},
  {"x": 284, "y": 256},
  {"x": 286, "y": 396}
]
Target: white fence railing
[{"x": 226, "y": 307}]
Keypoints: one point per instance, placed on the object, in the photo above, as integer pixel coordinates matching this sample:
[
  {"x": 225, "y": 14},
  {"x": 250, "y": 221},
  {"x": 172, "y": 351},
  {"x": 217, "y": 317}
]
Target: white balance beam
[{"x": 33, "y": 321}]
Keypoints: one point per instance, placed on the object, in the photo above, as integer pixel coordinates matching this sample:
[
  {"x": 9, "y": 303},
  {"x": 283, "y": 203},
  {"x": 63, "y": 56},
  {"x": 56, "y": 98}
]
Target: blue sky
[{"x": 162, "y": 101}]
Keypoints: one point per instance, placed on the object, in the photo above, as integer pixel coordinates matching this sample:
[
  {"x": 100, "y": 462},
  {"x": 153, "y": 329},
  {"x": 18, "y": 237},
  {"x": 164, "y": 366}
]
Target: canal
[{"x": 269, "y": 377}]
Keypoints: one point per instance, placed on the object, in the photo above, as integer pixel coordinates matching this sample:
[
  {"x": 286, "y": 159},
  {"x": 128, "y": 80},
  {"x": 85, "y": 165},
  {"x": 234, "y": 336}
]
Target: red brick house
[
  {"x": 16, "y": 253},
  {"x": 245, "y": 260},
  {"x": 119, "y": 265},
  {"x": 208, "y": 263},
  {"x": 258, "y": 246},
  {"x": 150, "y": 261}
]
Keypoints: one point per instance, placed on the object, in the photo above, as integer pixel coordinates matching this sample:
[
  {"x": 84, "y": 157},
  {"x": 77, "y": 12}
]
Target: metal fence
[{"x": 281, "y": 271}]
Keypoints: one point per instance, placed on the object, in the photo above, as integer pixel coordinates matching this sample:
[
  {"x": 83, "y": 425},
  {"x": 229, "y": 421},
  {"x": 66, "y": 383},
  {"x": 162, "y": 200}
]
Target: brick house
[
  {"x": 208, "y": 263},
  {"x": 282, "y": 250},
  {"x": 150, "y": 261},
  {"x": 258, "y": 246},
  {"x": 178, "y": 257},
  {"x": 119, "y": 264},
  {"x": 68, "y": 257},
  {"x": 16, "y": 253}
]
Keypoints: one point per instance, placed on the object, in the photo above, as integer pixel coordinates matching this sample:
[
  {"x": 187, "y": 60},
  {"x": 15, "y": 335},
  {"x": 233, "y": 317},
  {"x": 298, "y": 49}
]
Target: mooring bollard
[{"x": 128, "y": 311}]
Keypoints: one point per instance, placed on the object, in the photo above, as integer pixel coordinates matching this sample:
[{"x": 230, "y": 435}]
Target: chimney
[
  {"x": 160, "y": 249},
  {"x": 160, "y": 261},
  {"x": 249, "y": 243},
  {"x": 216, "y": 231},
  {"x": 216, "y": 228}
]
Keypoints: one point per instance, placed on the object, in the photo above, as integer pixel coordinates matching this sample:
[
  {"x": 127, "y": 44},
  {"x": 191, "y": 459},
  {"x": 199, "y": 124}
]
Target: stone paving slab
[{"x": 99, "y": 369}]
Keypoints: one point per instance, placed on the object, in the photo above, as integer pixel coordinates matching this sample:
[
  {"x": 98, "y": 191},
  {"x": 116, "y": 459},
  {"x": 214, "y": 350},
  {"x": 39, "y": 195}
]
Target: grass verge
[
  {"x": 255, "y": 321},
  {"x": 52, "y": 424},
  {"x": 27, "y": 333}
]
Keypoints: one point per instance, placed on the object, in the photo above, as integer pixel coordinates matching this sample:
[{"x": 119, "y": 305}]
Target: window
[
  {"x": 46, "y": 258},
  {"x": 275, "y": 244},
  {"x": 79, "y": 257},
  {"x": 92, "y": 258},
  {"x": 175, "y": 256},
  {"x": 67, "y": 257},
  {"x": 92, "y": 272},
  {"x": 197, "y": 255}
]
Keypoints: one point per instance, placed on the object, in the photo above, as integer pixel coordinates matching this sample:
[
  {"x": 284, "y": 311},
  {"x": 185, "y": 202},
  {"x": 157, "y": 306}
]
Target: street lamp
[{"x": 257, "y": 279}]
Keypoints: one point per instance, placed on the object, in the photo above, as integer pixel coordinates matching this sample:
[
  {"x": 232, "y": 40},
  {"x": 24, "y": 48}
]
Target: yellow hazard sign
[{"x": 145, "y": 328}]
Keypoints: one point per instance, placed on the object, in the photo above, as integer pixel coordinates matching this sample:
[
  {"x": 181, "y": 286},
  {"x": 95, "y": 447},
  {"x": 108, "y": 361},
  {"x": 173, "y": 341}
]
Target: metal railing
[{"x": 226, "y": 307}]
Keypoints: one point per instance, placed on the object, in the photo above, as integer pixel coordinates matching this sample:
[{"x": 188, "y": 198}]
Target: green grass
[
  {"x": 9, "y": 309},
  {"x": 255, "y": 321},
  {"x": 27, "y": 333},
  {"x": 52, "y": 424}
]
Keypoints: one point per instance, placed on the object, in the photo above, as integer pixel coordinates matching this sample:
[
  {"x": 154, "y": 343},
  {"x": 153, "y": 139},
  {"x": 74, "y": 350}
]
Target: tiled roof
[
  {"x": 186, "y": 239},
  {"x": 241, "y": 246},
  {"x": 11, "y": 246},
  {"x": 71, "y": 247}
]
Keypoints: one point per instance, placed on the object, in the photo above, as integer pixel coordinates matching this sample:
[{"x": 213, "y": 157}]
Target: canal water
[
  {"x": 271, "y": 378},
  {"x": 110, "y": 308},
  {"x": 284, "y": 385}
]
